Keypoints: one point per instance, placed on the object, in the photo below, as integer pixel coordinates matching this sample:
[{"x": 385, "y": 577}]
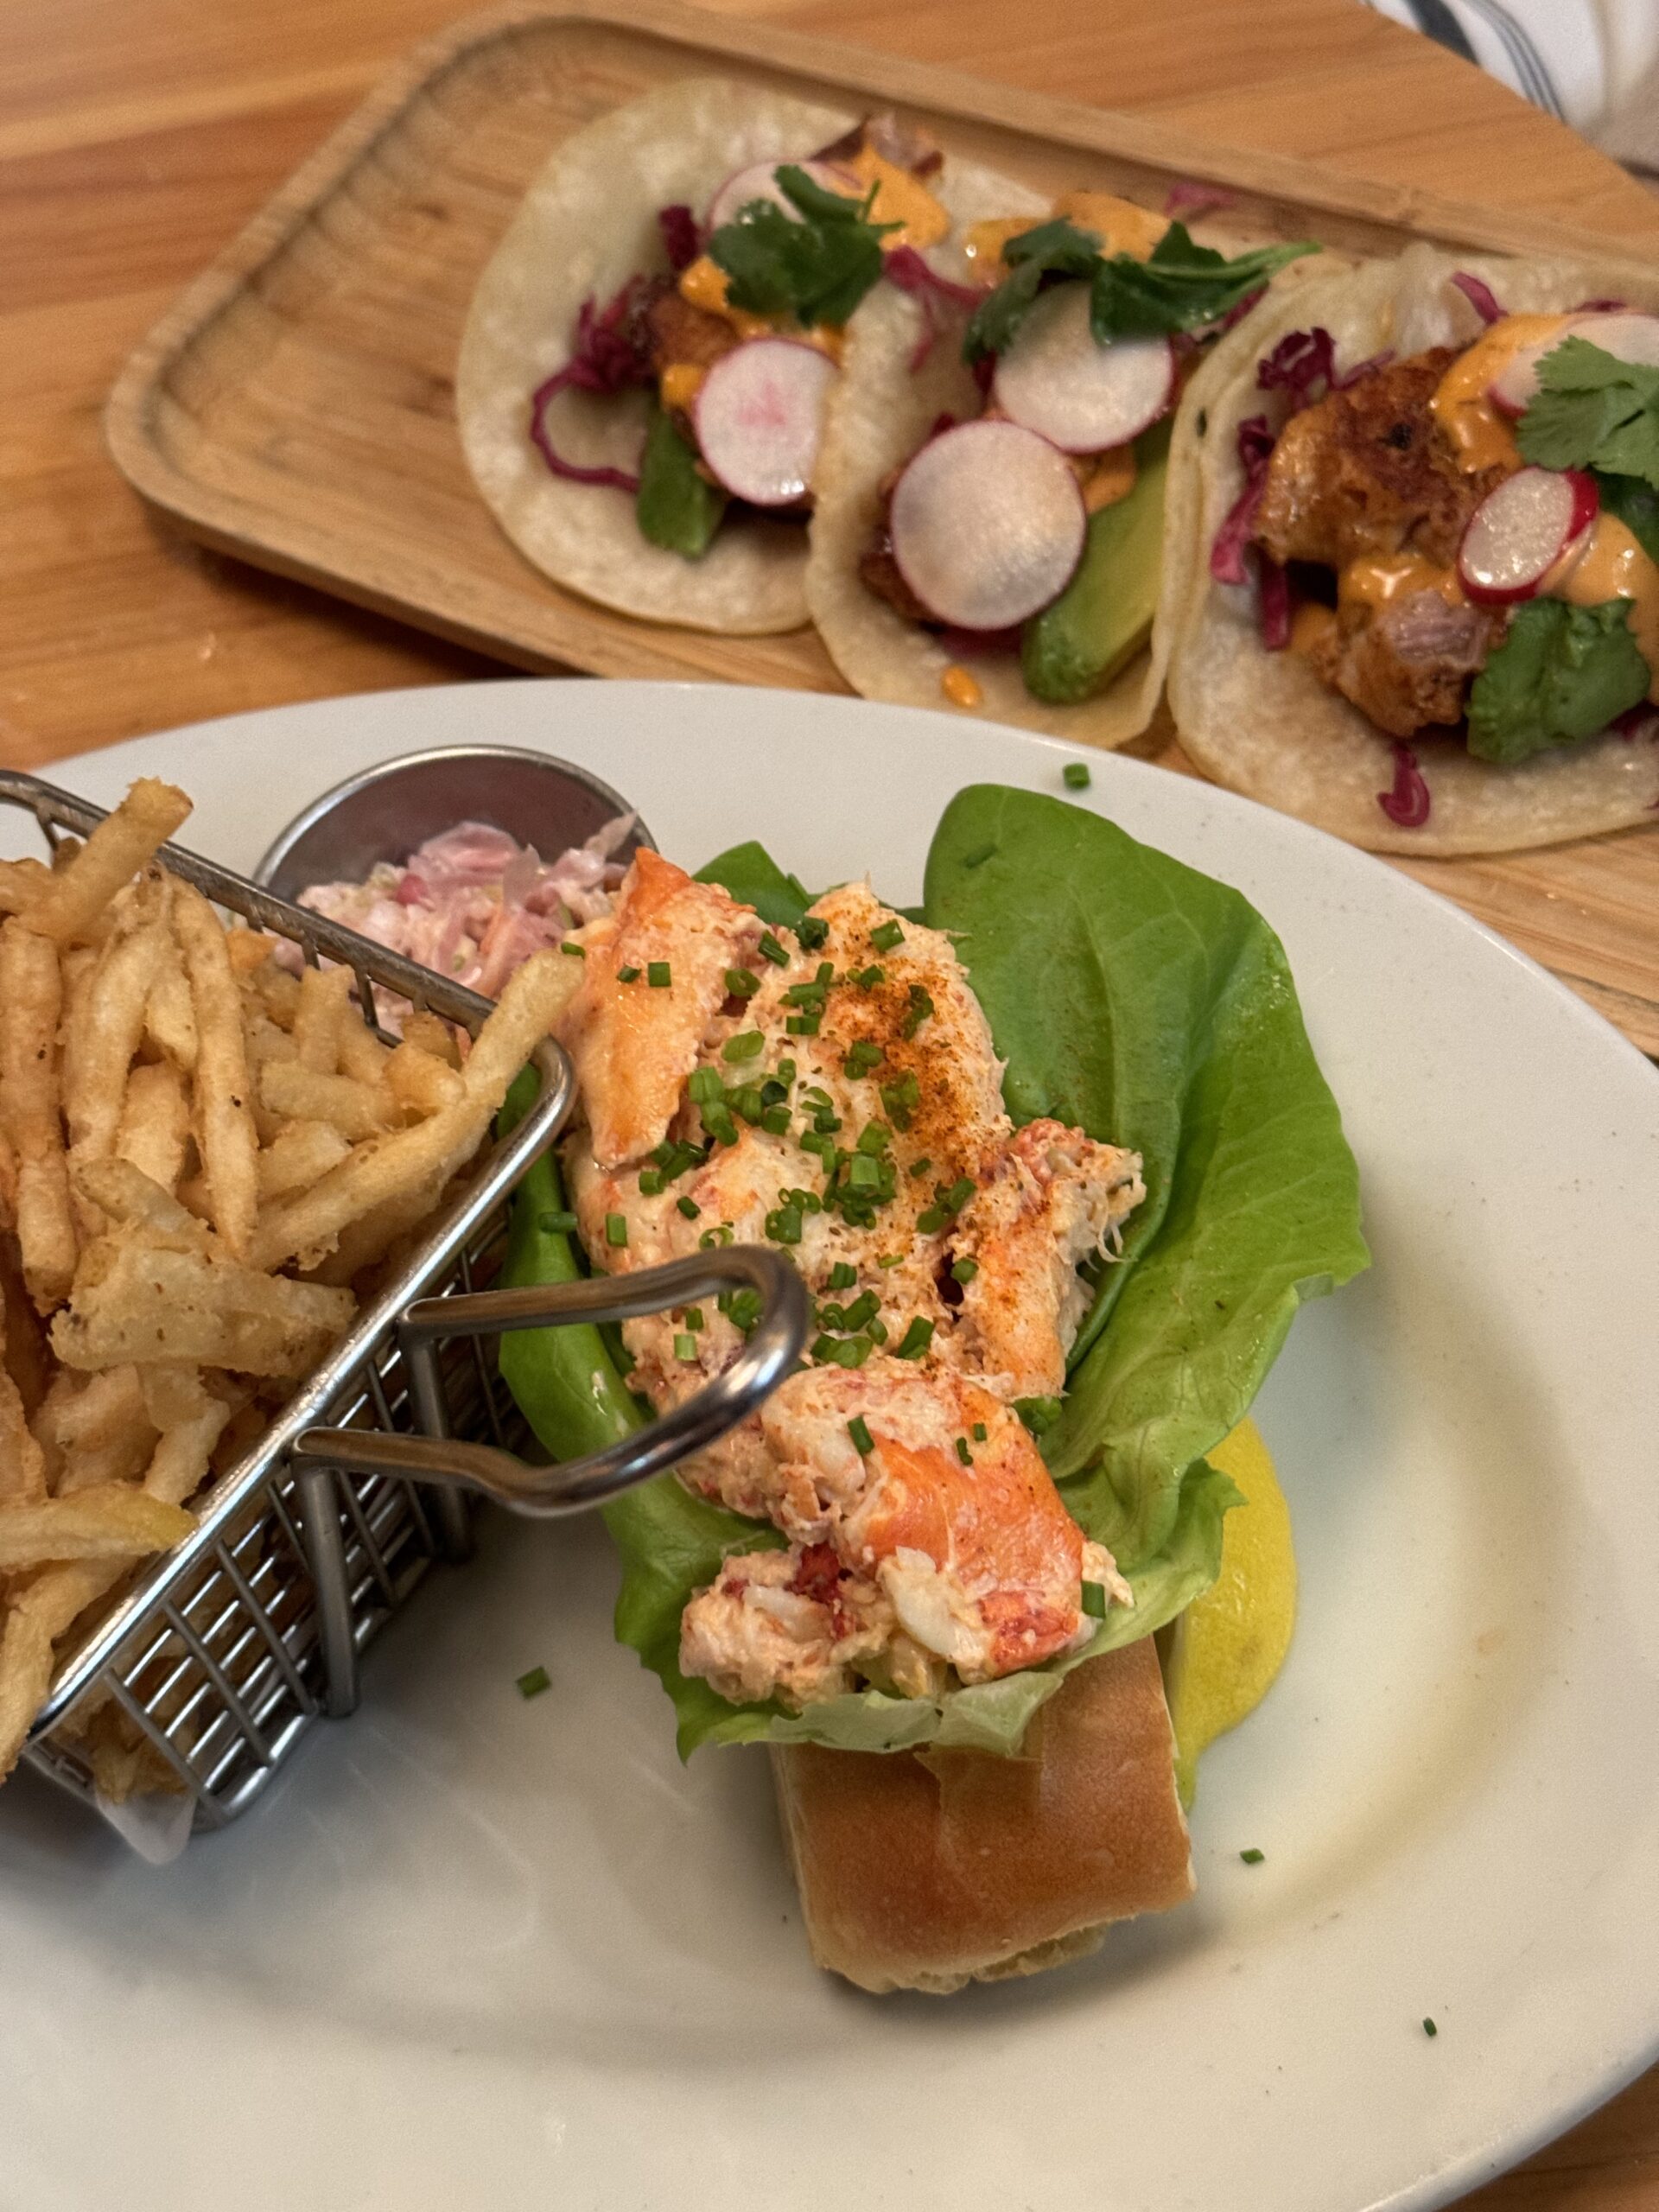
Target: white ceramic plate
[{"x": 477, "y": 1952}]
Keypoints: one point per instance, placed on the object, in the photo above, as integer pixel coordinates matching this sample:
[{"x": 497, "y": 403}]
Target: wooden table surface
[{"x": 136, "y": 136}]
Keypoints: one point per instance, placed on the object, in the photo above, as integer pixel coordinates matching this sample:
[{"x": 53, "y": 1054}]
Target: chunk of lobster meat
[
  {"x": 1050, "y": 1198},
  {"x": 784, "y": 1625},
  {"x": 634, "y": 1042}
]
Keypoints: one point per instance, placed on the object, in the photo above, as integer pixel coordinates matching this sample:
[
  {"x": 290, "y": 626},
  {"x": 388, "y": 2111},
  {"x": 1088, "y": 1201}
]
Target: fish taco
[
  {"x": 996, "y": 512},
  {"x": 1424, "y": 605},
  {"x": 647, "y": 356}
]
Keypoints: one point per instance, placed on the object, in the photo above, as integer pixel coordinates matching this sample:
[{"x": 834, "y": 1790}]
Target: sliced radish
[
  {"x": 1521, "y": 530},
  {"x": 758, "y": 413},
  {"x": 1059, "y": 381},
  {"x": 987, "y": 523},
  {"x": 1633, "y": 338},
  {"x": 759, "y": 181}
]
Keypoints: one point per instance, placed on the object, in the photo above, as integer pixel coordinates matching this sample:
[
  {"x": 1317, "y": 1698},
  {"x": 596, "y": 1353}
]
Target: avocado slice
[{"x": 1103, "y": 617}]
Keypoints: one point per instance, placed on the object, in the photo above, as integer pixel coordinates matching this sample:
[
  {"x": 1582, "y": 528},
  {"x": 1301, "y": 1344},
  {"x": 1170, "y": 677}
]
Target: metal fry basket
[{"x": 225, "y": 1651}]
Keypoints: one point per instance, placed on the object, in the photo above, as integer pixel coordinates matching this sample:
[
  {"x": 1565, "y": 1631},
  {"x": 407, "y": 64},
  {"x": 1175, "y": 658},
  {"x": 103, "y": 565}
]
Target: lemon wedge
[{"x": 1229, "y": 1643}]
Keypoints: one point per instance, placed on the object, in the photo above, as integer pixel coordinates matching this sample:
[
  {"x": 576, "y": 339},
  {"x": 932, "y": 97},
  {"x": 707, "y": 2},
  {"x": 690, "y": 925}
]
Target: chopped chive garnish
[
  {"x": 826, "y": 1124},
  {"x": 964, "y": 1271},
  {"x": 978, "y": 857},
  {"x": 979, "y": 1432},
  {"x": 861, "y": 1057},
  {"x": 575, "y": 952},
  {"x": 785, "y": 1072},
  {"x": 841, "y": 1276},
  {"x": 875, "y": 1138},
  {"x": 616, "y": 1229},
  {"x": 685, "y": 1347},
  {"x": 861, "y": 1312},
  {"x": 747, "y": 1044},
  {"x": 817, "y": 1099},
  {"x": 802, "y": 1025},
  {"x": 888, "y": 934},
  {"x": 741, "y": 983},
  {"x": 901, "y": 1098},
  {"x": 962, "y": 1452},
  {"x": 659, "y": 975},
  {"x": 1038, "y": 1413},
  {"x": 879, "y": 1331},
  {"x": 916, "y": 1339},
  {"x": 745, "y": 1309},
  {"x": 812, "y": 931},
  {"x": 556, "y": 1222},
  {"x": 868, "y": 978},
  {"x": 689, "y": 1207},
  {"x": 918, "y": 1168},
  {"x": 710, "y": 1237},
  {"x": 1094, "y": 1601},
  {"x": 842, "y": 1352},
  {"x": 1075, "y": 776},
  {"x": 703, "y": 1083},
  {"x": 694, "y": 1317},
  {"x": 784, "y": 1224},
  {"x": 1252, "y": 1858},
  {"x": 776, "y": 1119},
  {"x": 921, "y": 1006},
  {"x": 533, "y": 1683},
  {"x": 858, "y": 1429},
  {"x": 1429, "y": 2028},
  {"x": 958, "y": 1196},
  {"x": 930, "y": 1221},
  {"x": 771, "y": 950},
  {"x": 863, "y": 1172},
  {"x": 627, "y": 974},
  {"x": 891, "y": 1260},
  {"x": 651, "y": 1182}
]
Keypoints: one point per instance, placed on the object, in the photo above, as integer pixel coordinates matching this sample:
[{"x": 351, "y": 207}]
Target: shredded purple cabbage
[
  {"x": 1601, "y": 307},
  {"x": 1274, "y": 610},
  {"x": 610, "y": 356},
  {"x": 682, "y": 238},
  {"x": 1256, "y": 443},
  {"x": 1484, "y": 301},
  {"x": 1407, "y": 802}
]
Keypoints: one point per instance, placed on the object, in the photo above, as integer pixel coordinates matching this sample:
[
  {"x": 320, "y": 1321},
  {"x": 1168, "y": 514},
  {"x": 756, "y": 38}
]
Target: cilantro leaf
[
  {"x": 1180, "y": 287},
  {"x": 676, "y": 506},
  {"x": 817, "y": 269},
  {"x": 1593, "y": 411},
  {"x": 1560, "y": 674},
  {"x": 1636, "y": 504}
]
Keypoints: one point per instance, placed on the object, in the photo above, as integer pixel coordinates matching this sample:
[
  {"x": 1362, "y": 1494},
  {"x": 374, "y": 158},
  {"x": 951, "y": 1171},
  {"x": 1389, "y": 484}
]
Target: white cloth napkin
[{"x": 1584, "y": 61}]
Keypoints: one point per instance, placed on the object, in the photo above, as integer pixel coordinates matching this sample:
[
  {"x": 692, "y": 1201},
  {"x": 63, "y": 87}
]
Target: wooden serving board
[{"x": 296, "y": 407}]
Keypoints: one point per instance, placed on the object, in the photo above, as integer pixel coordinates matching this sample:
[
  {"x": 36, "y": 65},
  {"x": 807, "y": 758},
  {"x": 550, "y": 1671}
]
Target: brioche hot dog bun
[{"x": 928, "y": 1869}]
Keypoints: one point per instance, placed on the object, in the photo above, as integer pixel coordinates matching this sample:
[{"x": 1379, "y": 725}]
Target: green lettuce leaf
[
  {"x": 1152, "y": 1005},
  {"x": 1559, "y": 675}
]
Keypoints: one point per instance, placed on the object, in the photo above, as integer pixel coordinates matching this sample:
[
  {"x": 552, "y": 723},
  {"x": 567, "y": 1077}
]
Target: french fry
[
  {"x": 146, "y": 1300},
  {"x": 25, "y": 1678},
  {"x": 362, "y": 1056},
  {"x": 430, "y": 1034},
  {"x": 123, "y": 844},
  {"x": 420, "y": 1081},
  {"x": 277, "y": 992},
  {"x": 22, "y": 1468},
  {"x": 129, "y": 1196},
  {"x": 102, "y": 1036},
  {"x": 354, "y": 1109},
  {"x": 366, "y": 1242},
  {"x": 154, "y": 1131},
  {"x": 124, "y": 1762},
  {"x": 94, "y": 1429},
  {"x": 31, "y": 992},
  {"x": 308, "y": 1226},
  {"x": 115, "y": 1521},
  {"x": 224, "y": 1129},
  {"x": 27, "y": 1357},
  {"x": 300, "y": 1154},
  {"x": 169, "y": 1017},
  {"x": 324, "y": 1008},
  {"x": 21, "y": 883},
  {"x": 191, "y": 1418},
  {"x": 248, "y": 950}
]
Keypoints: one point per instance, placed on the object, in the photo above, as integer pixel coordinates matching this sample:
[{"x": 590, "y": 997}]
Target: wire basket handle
[{"x": 574, "y": 1485}]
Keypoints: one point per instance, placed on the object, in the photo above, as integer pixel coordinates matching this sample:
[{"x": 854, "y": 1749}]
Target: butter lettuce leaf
[{"x": 1153, "y": 1008}]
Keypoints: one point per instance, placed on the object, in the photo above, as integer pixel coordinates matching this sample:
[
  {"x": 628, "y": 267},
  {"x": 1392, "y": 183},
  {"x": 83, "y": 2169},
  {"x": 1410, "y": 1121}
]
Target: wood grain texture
[{"x": 136, "y": 137}]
